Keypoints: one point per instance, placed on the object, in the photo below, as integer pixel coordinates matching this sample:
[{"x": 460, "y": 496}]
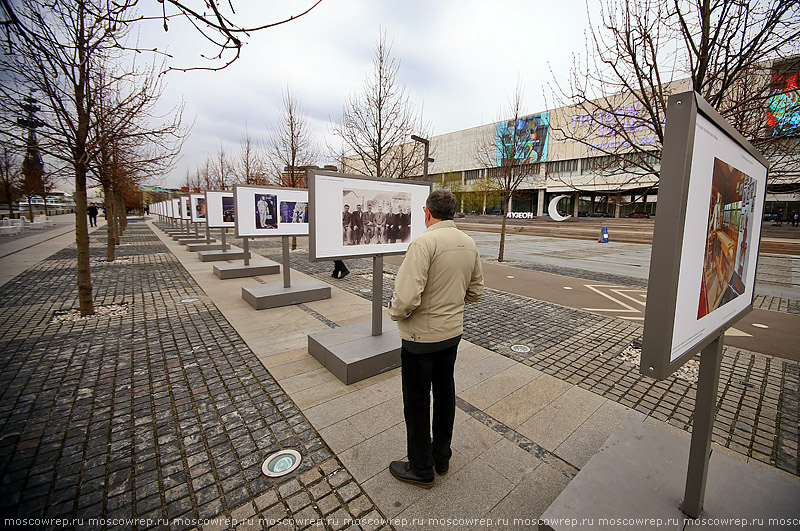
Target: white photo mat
[
  {"x": 219, "y": 209},
  {"x": 270, "y": 211}
]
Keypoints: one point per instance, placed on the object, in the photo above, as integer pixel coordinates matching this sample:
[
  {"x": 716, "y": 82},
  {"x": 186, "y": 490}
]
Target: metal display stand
[
  {"x": 355, "y": 352},
  {"x": 707, "y": 166},
  {"x": 222, "y": 252},
  {"x": 273, "y": 295}
]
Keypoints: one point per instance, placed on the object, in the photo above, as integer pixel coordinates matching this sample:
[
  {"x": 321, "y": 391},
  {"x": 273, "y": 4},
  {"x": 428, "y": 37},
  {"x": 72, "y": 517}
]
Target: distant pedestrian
[
  {"x": 339, "y": 269},
  {"x": 92, "y": 212},
  {"x": 795, "y": 218},
  {"x": 779, "y": 217}
]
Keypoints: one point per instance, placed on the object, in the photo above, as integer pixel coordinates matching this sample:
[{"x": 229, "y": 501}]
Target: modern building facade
[{"x": 594, "y": 182}]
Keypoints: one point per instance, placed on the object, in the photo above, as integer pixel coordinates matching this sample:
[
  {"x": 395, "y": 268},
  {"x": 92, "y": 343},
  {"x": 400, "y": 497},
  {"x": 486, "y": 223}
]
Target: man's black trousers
[{"x": 420, "y": 373}]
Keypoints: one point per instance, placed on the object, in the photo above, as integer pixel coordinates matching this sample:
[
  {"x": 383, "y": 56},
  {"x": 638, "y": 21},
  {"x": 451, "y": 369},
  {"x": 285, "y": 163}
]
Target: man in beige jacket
[{"x": 440, "y": 273}]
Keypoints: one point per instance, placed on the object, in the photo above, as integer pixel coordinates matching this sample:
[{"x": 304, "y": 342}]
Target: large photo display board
[
  {"x": 353, "y": 216},
  {"x": 219, "y": 210},
  {"x": 706, "y": 238},
  {"x": 270, "y": 211},
  {"x": 176, "y": 208}
]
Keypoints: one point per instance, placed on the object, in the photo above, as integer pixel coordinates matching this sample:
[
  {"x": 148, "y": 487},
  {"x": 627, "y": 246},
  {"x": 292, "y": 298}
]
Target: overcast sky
[{"x": 459, "y": 61}]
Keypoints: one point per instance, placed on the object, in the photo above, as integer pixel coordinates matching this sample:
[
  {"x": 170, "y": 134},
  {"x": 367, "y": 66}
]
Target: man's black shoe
[
  {"x": 334, "y": 274},
  {"x": 442, "y": 469},
  {"x": 402, "y": 471},
  {"x": 344, "y": 274}
]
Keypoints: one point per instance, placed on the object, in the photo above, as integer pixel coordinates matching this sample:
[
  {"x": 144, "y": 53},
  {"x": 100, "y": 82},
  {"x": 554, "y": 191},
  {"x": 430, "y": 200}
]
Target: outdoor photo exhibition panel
[
  {"x": 219, "y": 210},
  {"x": 706, "y": 236},
  {"x": 270, "y": 211},
  {"x": 176, "y": 208},
  {"x": 197, "y": 204},
  {"x": 354, "y": 216},
  {"x": 186, "y": 209}
]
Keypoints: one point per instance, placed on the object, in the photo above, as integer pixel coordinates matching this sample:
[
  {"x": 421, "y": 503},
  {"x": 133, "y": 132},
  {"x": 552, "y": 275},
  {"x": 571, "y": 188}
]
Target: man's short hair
[{"x": 442, "y": 204}]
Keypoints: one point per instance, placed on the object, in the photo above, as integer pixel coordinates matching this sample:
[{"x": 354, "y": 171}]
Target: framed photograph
[
  {"x": 355, "y": 216},
  {"x": 198, "y": 207},
  {"x": 219, "y": 209},
  {"x": 270, "y": 211},
  {"x": 706, "y": 236},
  {"x": 176, "y": 208},
  {"x": 186, "y": 209}
]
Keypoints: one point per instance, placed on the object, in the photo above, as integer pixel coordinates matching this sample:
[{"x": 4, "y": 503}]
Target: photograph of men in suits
[
  {"x": 380, "y": 225},
  {"x": 369, "y": 224},
  {"x": 346, "y": 215},
  {"x": 357, "y": 224}
]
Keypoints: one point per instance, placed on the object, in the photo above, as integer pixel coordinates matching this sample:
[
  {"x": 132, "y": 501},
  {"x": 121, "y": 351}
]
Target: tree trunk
[
  {"x": 110, "y": 227},
  {"x": 82, "y": 241},
  {"x": 500, "y": 255}
]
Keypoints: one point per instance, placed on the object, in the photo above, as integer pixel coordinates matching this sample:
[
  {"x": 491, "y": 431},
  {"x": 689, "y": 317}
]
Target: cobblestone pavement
[
  {"x": 158, "y": 414},
  {"x": 758, "y": 412}
]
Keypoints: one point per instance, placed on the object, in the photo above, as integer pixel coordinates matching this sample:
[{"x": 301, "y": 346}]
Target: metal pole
[
  {"x": 377, "y": 295},
  {"x": 222, "y": 237},
  {"x": 425, "y": 164},
  {"x": 196, "y": 233},
  {"x": 246, "y": 247},
  {"x": 704, "y": 413},
  {"x": 287, "y": 281},
  {"x": 208, "y": 234}
]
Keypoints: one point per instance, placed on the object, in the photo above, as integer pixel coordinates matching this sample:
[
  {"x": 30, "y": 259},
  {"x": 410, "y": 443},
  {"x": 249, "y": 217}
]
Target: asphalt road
[{"x": 768, "y": 332}]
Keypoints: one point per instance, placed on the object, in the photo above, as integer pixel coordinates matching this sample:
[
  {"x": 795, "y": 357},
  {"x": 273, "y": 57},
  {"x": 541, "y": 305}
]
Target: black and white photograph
[
  {"x": 266, "y": 213},
  {"x": 375, "y": 217},
  {"x": 294, "y": 212}
]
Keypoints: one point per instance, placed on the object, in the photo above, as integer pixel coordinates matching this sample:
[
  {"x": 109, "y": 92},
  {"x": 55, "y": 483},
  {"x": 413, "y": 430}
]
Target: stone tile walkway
[
  {"x": 159, "y": 414},
  {"x": 758, "y": 416}
]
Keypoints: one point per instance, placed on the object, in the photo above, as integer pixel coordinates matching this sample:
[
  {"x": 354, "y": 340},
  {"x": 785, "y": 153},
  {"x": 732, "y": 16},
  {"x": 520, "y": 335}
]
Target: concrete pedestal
[
  {"x": 352, "y": 353},
  {"x": 253, "y": 269},
  {"x": 235, "y": 253},
  {"x": 193, "y": 239},
  {"x": 273, "y": 295},
  {"x": 194, "y": 247},
  {"x": 640, "y": 473}
]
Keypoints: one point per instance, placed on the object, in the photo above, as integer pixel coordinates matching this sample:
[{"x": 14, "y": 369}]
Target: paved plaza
[{"x": 161, "y": 412}]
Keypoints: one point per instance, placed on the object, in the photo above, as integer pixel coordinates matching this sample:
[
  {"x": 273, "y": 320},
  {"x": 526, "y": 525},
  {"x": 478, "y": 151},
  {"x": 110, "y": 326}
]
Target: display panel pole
[
  {"x": 222, "y": 237},
  {"x": 208, "y": 234},
  {"x": 377, "y": 294},
  {"x": 196, "y": 233},
  {"x": 287, "y": 281},
  {"x": 702, "y": 428},
  {"x": 246, "y": 248}
]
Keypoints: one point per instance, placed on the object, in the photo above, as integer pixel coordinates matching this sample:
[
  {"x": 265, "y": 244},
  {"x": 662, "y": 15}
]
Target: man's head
[
  {"x": 380, "y": 208},
  {"x": 358, "y": 207},
  {"x": 346, "y": 208},
  {"x": 441, "y": 205}
]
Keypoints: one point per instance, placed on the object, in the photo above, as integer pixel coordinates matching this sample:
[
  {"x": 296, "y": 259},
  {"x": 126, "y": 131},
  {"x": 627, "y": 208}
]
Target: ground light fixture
[
  {"x": 522, "y": 349},
  {"x": 281, "y": 463}
]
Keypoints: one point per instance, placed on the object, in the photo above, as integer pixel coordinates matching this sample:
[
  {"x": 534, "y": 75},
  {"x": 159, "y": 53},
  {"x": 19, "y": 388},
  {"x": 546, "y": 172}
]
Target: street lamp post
[{"x": 426, "y": 143}]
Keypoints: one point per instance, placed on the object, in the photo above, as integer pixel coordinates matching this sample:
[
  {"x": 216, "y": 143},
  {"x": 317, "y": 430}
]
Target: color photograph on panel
[
  {"x": 228, "y": 210},
  {"x": 266, "y": 212},
  {"x": 730, "y": 220},
  {"x": 294, "y": 212}
]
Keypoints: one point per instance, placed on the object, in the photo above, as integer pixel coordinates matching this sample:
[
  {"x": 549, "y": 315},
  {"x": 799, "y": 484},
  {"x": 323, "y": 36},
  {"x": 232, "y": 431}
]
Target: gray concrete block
[
  {"x": 640, "y": 472},
  {"x": 262, "y": 267},
  {"x": 274, "y": 294},
  {"x": 352, "y": 353},
  {"x": 195, "y": 247},
  {"x": 234, "y": 253},
  {"x": 192, "y": 239}
]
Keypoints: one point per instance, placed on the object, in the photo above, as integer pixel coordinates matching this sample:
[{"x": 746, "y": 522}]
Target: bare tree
[
  {"x": 217, "y": 24},
  {"x": 221, "y": 170},
  {"x": 511, "y": 152},
  {"x": 10, "y": 178},
  {"x": 376, "y": 126},
  {"x": 642, "y": 51},
  {"x": 250, "y": 166},
  {"x": 291, "y": 145}
]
